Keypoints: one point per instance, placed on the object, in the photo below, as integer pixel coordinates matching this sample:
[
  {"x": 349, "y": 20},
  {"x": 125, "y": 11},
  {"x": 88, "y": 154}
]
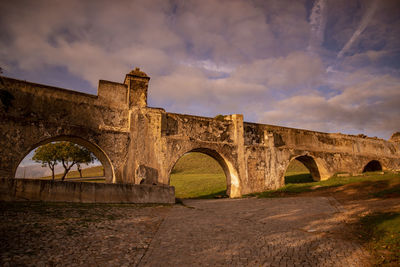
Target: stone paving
[
  {"x": 253, "y": 232},
  {"x": 76, "y": 234},
  {"x": 301, "y": 231}
]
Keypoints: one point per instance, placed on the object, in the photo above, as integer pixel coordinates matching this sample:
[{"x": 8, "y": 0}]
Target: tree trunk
[
  {"x": 66, "y": 169},
  {"x": 52, "y": 171},
  {"x": 64, "y": 174},
  {"x": 79, "y": 170}
]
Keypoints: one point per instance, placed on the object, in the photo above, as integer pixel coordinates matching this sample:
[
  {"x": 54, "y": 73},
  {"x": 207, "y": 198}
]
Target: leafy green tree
[
  {"x": 67, "y": 153},
  {"x": 71, "y": 154},
  {"x": 84, "y": 156},
  {"x": 48, "y": 156}
]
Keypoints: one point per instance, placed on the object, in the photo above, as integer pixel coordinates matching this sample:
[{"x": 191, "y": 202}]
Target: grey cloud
[
  {"x": 370, "y": 107},
  {"x": 297, "y": 71},
  {"x": 103, "y": 42},
  {"x": 224, "y": 30}
]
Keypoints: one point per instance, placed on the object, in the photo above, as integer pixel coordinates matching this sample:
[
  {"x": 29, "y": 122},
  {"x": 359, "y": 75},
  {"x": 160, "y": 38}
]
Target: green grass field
[
  {"x": 96, "y": 172},
  {"x": 197, "y": 175},
  {"x": 293, "y": 188},
  {"x": 297, "y": 173},
  {"x": 198, "y": 185},
  {"x": 381, "y": 233}
]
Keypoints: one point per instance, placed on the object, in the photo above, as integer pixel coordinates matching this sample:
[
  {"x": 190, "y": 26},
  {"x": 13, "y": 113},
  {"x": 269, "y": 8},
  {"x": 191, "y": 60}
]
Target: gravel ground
[{"x": 60, "y": 234}]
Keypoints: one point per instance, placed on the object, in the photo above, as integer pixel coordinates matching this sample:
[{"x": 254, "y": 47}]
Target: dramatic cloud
[
  {"x": 358, "y": 108},
  {"x": 329, "y": 65}
]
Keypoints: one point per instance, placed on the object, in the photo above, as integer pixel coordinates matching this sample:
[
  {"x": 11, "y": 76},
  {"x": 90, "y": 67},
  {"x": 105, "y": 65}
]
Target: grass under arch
[
  {"x": 197, "y": 175},
  {"x": 296, "y": 172}
]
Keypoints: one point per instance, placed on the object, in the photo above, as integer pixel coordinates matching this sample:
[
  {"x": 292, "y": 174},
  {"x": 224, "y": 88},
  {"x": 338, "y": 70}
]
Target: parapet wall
[
  {"x": 198, "y": 128},
  {"x": 36, "y": 102},
  {"x": 257, "y": 134},
  {"x": 42, "y": 190}
]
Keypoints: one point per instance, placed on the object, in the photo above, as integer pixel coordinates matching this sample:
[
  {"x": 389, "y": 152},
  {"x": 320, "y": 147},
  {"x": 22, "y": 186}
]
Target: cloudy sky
[{"x": 326, "y": 65}]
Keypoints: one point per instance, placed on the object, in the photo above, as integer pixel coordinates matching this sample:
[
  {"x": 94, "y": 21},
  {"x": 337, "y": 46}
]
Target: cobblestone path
[
  {"x": 301, "y": 231},
  {"x": 253, "y": 232},
  {"x": 61, "y": 234}
]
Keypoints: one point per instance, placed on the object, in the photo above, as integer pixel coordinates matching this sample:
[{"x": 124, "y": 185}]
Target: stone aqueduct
[{"x": 139, "y": 144}]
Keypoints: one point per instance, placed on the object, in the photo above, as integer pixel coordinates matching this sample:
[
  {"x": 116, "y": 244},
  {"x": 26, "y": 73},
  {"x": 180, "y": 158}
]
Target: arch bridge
[{"x": 139, "y": 144}]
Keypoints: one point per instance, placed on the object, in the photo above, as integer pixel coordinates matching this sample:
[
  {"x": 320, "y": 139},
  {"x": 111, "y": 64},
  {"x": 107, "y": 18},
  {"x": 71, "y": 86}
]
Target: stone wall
[
  {"x": 198, "y": 128},
  {"x": 43, "y": 190}
]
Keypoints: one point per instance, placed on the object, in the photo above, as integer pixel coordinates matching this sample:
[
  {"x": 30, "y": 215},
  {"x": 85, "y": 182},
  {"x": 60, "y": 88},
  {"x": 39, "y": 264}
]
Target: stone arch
[
  {"x": 314, "y": 165},
  {"x": 95, "y": 149},
  {"x": 373, "y": 165},
  {"x": 232, "y": 177}
]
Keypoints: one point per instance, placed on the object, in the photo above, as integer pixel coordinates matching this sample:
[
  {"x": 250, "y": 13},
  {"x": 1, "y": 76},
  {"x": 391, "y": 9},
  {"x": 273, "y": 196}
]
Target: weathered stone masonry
[{"x": 138, "y": 144}]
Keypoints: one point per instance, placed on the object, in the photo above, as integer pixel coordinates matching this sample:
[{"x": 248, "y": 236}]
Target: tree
[
  {"x": 47, "y": 155},
  {"x": 84, "y": 156},
  {"x": 69, "y": 154}
]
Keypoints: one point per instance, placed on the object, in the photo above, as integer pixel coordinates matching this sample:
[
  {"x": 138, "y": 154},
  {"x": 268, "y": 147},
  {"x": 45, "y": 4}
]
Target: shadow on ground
[{"x": 298, "y": 178}]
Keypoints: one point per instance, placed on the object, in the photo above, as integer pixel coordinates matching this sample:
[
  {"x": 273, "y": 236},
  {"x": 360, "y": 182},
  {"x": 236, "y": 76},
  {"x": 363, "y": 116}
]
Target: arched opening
[
  {"x": 83, "y": 161},
  {"x": 202, "y": 173},
  {"x": 373, "y": 166},
  {"x": 302, "y": 169}
]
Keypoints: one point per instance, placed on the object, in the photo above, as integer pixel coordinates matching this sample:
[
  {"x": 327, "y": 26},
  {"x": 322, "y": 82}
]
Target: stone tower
[{"x": 137, "y": 82}]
